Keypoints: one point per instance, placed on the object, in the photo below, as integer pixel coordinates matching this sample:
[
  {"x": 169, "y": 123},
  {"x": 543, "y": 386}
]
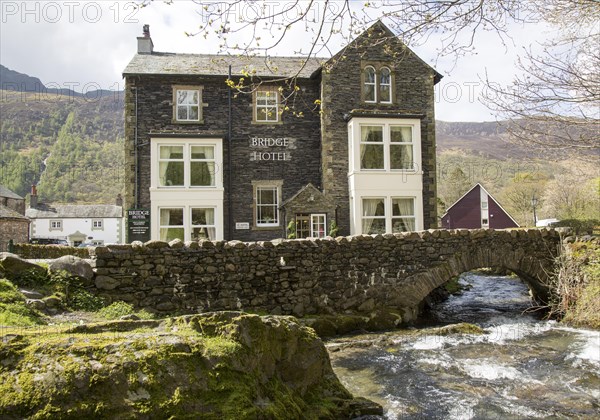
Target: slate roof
[
  {"x": 212, "y": 64},
  {"x": 72, "y": 211},
  {"x": 8, "y": 213},
  {"x": 5, "y": 192}
]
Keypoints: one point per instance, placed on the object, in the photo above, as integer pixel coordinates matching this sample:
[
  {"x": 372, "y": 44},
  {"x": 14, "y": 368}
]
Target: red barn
[{"x": 477, "y": 209}]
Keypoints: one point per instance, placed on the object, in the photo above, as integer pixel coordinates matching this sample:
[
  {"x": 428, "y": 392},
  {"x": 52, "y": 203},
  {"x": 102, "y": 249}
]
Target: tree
[
  {"x": 517, "y": 196},
  {"x": 567, "y": 197},
  {"x": 451, "y": 187},
  {"x": 556, "y": 103}
]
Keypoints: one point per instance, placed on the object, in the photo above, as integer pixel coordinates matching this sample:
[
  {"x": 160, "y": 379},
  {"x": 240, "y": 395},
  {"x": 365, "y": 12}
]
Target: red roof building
[{"x": 477, "y": 209}]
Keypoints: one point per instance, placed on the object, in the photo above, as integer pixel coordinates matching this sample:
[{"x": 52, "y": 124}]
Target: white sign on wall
[{"x": 242, "y": 225}]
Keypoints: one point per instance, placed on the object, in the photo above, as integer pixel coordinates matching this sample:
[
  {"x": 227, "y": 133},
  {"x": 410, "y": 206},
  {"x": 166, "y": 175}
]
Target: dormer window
[{"x": 377, "y": 84}]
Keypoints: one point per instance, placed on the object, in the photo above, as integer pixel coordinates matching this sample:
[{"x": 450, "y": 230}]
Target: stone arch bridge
[{"x": 334, "y": 275}]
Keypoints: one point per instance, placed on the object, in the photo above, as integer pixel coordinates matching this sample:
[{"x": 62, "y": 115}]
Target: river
[{"x": 521, "y": 368}]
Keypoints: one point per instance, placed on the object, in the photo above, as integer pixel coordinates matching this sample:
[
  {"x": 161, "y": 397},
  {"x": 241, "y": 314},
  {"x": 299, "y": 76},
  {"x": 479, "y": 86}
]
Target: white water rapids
[{"x": 521, "y": 368}]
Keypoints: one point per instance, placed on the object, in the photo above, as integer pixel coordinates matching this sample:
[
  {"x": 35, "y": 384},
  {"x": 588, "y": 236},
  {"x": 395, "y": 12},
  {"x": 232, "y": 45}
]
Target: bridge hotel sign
[{"x": 270, "y": 148}]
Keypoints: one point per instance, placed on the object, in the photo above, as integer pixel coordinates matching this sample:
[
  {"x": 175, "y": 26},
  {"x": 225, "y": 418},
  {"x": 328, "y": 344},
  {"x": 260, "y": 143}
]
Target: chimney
[
  {"x": 145, "y": 45},
  {"x": 119, "y": 201},
  {"x": 33, "y": 198}
]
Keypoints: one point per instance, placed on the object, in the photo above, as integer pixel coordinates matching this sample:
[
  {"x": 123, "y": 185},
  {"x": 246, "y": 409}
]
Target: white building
[{"x": 97, "y": 224}]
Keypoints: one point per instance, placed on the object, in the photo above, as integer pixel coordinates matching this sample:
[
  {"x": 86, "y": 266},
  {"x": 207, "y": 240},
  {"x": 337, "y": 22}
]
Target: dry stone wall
[{"x": 342, "y": 275}]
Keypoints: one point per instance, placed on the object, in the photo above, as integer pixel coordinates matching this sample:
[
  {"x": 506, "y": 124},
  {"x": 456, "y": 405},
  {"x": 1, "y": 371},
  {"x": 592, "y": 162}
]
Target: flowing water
[{"x": 520, "y": 368}]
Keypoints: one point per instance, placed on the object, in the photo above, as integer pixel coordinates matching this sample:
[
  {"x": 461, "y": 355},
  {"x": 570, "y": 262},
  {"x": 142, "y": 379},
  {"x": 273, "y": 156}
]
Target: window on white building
[
  {"x": 371, "y": 147},
  {"x": 186, "y": 165},
  {"x": 266, "y": 106},
  {"x": 401, "y": 147},
  {"x": 403, "y": 215},
  {"x": 373, "y": 215},
  {"x": 56, "y": 225},
  {"x": 97, "y": 224},
  {"x": 187, "y": 104},
  {"x": 386, "y": 147},
  {"x": 171, "y": 224},
  {"x": 203, "y": 224},
  {"x": 378, "y": 217}
]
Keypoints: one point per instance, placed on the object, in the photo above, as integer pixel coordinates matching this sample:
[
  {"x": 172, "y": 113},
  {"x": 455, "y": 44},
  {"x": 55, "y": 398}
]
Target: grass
[{"x": 576, "y": 285}]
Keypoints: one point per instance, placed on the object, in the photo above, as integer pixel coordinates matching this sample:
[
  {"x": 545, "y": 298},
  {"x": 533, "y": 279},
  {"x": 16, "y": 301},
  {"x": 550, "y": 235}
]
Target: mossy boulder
[
  {"x": 225, "y": 365},
  {"x": 14, "y": 267}
]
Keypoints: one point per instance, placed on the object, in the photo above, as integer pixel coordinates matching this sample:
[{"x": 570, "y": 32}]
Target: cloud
[{"x": 79, "y": 43}]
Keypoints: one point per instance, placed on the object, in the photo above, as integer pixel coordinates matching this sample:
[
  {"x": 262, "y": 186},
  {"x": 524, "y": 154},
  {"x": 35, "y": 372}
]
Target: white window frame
[
  {"x": 258, "y": 205},
  {"x": 388, "y": 212},
  {"x": 206, "y": 226},
  {"x": 401, "y": 143},
  {"x": 314, "y": 233},
  {"x": 412, "y": 217},
  {"x": 97, "y": 224},
  {"x": 373, "y": 83},
  {"x": 56, "y": 225},
  {"x": 269, "y": 94},
  {"x": 187, "y": 164},
  {"x": 385, "y": 84},
  {"x": 373, "y": 143},
  {"x": 176, "y": 105},
  {"x": 386, "y": 144}
]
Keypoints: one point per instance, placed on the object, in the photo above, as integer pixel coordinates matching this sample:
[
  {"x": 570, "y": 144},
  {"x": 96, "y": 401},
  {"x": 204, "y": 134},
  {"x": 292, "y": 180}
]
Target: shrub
[
  {"x": 13, "y": 309},
  {"x": 116, "y": 310},
  {"x": 580, "y": 227}
]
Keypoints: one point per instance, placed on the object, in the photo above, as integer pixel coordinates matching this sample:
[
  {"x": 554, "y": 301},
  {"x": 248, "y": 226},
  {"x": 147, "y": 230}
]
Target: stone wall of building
[
  {"x": 346, "y": 274},
  {"x": 15, "y": 229},
  {"x": 151, "y": 98},
  {"x": 413, "y": 97}
]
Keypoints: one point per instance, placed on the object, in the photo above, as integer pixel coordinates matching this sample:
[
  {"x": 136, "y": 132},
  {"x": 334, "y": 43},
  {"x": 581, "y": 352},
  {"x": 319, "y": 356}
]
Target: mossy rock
[{"x": 226, "y": 365}]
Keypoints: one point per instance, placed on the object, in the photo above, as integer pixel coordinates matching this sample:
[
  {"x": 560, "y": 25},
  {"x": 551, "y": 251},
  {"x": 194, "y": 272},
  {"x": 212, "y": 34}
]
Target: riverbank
[{"x": 576, "y": 284}]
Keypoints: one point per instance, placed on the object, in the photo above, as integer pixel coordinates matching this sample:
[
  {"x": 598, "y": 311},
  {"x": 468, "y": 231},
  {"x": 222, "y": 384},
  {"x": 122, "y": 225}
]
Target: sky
[{"x": 85, "y": 45}]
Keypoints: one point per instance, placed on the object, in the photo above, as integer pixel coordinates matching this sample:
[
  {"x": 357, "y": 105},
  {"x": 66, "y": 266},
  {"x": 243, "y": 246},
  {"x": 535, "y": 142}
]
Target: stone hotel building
[{"x": 347, "y": 141}]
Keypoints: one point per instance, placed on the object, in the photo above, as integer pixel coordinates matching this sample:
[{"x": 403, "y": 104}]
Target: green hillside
[{"x": 70, "y": 146}]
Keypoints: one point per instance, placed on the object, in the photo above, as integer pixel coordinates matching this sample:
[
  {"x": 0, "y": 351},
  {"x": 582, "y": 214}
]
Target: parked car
[{"x": 48, "y": 241}]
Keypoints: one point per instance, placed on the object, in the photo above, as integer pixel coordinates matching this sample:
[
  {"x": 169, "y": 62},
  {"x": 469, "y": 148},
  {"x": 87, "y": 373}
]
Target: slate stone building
[
  {"x": 13, "y": 223},
  {"x": 350, "y": 140}
]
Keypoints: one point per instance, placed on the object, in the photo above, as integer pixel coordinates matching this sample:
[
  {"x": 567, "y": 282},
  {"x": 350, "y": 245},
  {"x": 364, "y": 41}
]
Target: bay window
[
  {"x": 403, "y": 215},
  {"x": 171, "y": 224},
  {"x": 203, "y": 224},
  {"x": 186, "y": 166},
  {"x": 386, "y": 147},
  {"x": 373, "y": 215},
  {"x": 401, "y": 147},
  {"x": 388, "y": 214}
]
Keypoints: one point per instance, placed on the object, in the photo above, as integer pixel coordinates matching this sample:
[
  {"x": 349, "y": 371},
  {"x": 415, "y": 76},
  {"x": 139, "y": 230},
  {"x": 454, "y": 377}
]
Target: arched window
[
  {"x": 385, "y": 85},
  {"x": 370, "y": 85}
]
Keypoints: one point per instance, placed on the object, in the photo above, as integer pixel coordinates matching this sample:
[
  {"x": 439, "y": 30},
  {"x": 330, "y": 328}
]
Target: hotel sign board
[
  {"x": 138, "y": 225},
  {"x": 265, "y": 145}
]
